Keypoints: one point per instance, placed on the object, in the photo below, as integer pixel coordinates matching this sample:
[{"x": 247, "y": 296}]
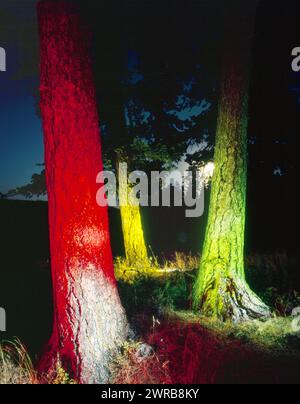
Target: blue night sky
[
  {"x": 21, "y": 140},
  {"x": 21, "y": 137}
]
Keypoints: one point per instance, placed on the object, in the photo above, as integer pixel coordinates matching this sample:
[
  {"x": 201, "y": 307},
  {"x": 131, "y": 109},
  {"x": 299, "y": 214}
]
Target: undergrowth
[
  {"x": 15, "y": 364},
  {"x": 183, "y": 346},
  {"x": 139, "y": 364},
  {"x": 170, "y": 282},
  {"x": 158, "y": 267},
  {"x": 16, "y": 367},
  {"x": 275, "y": 334}
]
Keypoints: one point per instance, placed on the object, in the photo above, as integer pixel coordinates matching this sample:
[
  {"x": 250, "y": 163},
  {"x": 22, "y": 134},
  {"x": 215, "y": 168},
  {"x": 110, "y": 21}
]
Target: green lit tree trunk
[
  {"x": 221, "y": 290},
  {"x": 133, "y": 233},
  {"x": 89, "y": 324}
]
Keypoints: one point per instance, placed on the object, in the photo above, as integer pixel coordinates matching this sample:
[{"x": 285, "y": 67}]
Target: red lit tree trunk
[{"x": 89, "y": 321}]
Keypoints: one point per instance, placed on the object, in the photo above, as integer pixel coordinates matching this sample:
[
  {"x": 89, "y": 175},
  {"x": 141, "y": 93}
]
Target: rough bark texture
[
  {"x": 132, "y": 226},
  {"x": 89, "y": 321},
  {"x": 221, "y": 289}
]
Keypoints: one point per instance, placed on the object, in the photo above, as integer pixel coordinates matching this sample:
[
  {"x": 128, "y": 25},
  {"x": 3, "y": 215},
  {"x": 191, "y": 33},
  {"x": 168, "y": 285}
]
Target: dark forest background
[{"x": 171, "y": 37}]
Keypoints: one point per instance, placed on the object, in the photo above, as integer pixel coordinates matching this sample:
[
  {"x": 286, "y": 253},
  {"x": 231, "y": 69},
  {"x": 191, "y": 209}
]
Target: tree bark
[
  {"x": 132, "y": 226},
  {"x": 89, "y": 320},
  {"x": 221, "y": 290}
]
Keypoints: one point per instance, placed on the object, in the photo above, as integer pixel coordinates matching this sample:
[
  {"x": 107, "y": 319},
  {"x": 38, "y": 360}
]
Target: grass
[
  {"x": 159, "y": 307},
  {"x": 171, "y": 281},
  {"x": 158, "y": 266},
  {"x": 58, "y": 376},
  {"x": 15, "y": 364},
  {"x": 185, "y": 346},
  {"x": 273, "y": 335},
  {"x": 151, "y": 299},
  {"x": 139, "y": 364},
  {"x": 16, "y": 367},
  {"x": 182, "y": 262}
]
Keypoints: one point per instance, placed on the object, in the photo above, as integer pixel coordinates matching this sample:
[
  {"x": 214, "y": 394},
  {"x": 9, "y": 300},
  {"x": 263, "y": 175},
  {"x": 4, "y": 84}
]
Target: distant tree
[
  {"x": 161, "y": 122},
  {"x": 36, "y": 188}
]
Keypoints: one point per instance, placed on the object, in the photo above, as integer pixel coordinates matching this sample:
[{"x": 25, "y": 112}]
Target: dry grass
[
  {"x": 58, "y": 376},
  {"x": 273, "y": 265},
  {"x": 15, "y": 364},
  {"x": 183, "y": 262},
  {"x": 179, "y": 262},
  {"x": 263, "y": 271},
  {"x": 126, "y": 272},
  {"x": 16, "y": 367},
  {"x": 166, "y": 289},
  {"x": 138, "y": 364}
]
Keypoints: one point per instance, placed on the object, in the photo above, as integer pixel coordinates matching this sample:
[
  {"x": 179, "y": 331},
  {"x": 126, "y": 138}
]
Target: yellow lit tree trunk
[
  {"x": 221, "y": 290},
  {"x": 133, "y": 233}
]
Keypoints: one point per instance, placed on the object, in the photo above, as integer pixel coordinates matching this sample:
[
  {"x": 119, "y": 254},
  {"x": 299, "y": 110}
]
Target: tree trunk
[
  {"x": 133, "y": 233},
  {"x": 89, "y": 320},
  {"x": 221, "y": 290}
]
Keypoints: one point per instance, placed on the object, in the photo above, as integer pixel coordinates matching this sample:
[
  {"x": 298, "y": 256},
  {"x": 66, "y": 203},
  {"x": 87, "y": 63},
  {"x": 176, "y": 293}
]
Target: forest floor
[
  {"x": 187, "y": 348},
  {"x": 190, "y": 350},
  {"x": 172, "y": 344}
]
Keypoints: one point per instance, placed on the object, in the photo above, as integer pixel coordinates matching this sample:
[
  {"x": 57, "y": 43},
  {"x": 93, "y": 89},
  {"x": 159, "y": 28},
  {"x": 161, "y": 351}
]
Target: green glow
[{"x": 221, "y": 290}]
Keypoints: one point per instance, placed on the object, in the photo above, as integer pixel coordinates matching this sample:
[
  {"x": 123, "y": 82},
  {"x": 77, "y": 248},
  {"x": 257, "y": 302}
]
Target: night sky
[
  {"x": 21, "y": 141},
  {"x": 21, "y": 138}
]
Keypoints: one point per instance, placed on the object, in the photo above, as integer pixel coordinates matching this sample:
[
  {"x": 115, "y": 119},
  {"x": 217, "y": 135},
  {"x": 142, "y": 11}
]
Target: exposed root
[{"x": 232, "y": 299}]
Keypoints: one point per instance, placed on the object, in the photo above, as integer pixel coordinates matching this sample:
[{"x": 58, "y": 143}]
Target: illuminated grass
[
  {"x": 163, "y": 298},
  {"x": 163, "y": 292},
  {"x": 158, "y": 267},
  {"x": 275, "y": 334},
  {"x": 15, "y": 364}
]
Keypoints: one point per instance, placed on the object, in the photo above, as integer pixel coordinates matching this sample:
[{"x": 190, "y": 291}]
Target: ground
[{"x": 172, "y": 344}]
